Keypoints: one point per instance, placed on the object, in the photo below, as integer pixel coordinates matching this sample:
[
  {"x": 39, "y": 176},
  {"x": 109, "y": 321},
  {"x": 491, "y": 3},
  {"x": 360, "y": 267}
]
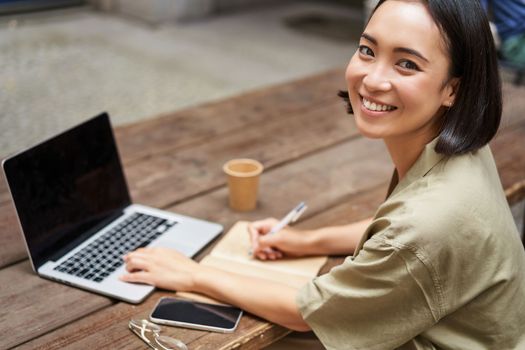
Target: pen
[{"x": 291, "y": 217}]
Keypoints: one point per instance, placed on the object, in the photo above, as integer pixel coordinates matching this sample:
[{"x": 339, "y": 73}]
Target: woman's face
[{"x": 397, "y": 79}]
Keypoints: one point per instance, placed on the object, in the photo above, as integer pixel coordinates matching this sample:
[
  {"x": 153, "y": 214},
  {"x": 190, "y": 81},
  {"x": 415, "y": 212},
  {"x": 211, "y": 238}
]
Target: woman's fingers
[
  {"x": 161, "y": 267},
  {"x": 254, "y": 237},
  {"x": 137, "y": 277},
  {"x": 134, "y": 263},
  {"x": 257, "y": 229}
]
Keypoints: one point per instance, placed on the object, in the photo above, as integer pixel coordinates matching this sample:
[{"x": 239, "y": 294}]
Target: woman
[{"x": 440, "y": 265}]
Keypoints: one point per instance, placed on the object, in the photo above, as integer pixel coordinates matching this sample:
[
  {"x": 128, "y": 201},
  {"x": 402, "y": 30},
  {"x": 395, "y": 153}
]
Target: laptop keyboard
[{"x": 101, "y": 257}]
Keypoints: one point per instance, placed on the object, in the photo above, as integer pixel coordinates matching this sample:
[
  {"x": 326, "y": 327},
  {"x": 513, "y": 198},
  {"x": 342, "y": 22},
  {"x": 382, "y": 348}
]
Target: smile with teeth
[{"x": 376, "y": 107}]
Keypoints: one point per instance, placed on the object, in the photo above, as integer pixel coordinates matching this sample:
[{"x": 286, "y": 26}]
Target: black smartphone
[{"x": 197, "y": 315}]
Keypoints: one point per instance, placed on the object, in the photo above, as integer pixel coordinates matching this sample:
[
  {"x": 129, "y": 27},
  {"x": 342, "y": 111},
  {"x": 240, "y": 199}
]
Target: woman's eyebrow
[
  {"x": 397, "y": 49},
  {"x": 369, "y": 38},
  {"x": 410, "y": 52}
]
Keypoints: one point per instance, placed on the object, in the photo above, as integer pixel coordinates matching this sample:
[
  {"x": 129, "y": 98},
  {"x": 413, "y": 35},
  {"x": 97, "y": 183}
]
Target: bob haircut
[{"x": 473, "y": 120}]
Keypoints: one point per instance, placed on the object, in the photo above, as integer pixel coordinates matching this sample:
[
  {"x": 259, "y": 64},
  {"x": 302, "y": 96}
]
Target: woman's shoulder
[{"x": 460, "y": 198}]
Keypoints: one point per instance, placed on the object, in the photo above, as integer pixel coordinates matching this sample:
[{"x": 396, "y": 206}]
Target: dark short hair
[{"x": 473, "y": 120}]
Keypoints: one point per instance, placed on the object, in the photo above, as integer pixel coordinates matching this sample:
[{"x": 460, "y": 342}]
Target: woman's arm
[
  {"x": 272, "y": 301},
  {"x": 335, "y": 240},
  {"x": 340, "y": 240},
  {"x": 168, "y": 269}
]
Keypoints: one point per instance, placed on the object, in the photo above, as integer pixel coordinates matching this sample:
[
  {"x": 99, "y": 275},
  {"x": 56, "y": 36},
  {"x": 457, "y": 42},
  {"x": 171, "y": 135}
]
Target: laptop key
[
  {"x": 83, "y": 272},
  {"x": 103, "y": 256}
]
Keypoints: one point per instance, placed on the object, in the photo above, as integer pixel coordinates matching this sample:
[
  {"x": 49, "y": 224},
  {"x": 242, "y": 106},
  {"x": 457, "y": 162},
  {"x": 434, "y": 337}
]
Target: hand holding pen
[{"x": 263, "y": 235}]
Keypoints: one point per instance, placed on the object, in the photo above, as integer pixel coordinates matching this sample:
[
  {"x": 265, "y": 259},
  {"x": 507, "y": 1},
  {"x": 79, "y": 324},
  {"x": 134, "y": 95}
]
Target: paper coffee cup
[{"x": 243, "y": 183}]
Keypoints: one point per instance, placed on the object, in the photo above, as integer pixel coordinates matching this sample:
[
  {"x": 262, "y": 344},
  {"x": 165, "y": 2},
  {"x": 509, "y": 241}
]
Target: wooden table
[{"x": 311, "y": 151}]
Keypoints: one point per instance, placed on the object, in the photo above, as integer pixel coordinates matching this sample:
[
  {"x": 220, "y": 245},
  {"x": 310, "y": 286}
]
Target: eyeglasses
[{"x": 150, "y": 333}]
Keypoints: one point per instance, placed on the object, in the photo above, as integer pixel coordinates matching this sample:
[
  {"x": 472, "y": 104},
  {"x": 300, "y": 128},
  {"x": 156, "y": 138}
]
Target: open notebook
[{"x": 232, "y": 254}]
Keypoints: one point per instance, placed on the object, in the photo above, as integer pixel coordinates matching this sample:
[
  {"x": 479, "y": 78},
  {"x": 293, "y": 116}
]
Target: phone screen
[{"x": 195, "y": 314}]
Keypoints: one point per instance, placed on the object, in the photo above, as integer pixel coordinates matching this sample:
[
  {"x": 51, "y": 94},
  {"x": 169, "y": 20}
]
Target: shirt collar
[{"x": 428, "y": 159}]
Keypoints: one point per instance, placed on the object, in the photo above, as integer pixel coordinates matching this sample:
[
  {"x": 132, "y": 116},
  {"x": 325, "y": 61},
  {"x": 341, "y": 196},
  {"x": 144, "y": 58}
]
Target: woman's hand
[
  {"x": 287, "y": 242},
  {"x": 161, "y": 267}
]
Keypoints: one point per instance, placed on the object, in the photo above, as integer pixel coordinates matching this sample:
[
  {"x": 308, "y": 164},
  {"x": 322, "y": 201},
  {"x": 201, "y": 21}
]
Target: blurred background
[{"x": 63, "y": 61}]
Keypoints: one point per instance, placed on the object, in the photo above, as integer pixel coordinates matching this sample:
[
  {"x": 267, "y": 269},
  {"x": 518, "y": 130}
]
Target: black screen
[
  {"x": 193, "y": 312},
  {"x": 66, "y": 187}
]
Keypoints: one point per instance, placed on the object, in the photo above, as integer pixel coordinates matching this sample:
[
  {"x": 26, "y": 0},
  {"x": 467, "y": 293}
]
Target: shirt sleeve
[{"x": 382, "y": 299}]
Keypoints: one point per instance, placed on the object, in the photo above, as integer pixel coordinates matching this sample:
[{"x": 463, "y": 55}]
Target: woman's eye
[
  {"x": 406, "y": 64},
  {"x": 365, "y": 50}
]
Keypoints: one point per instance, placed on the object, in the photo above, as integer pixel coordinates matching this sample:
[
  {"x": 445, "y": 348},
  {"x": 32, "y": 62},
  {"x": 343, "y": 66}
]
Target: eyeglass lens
[
  {"x": 170, "y": 343},
  {"x": 149, "y": 333}
]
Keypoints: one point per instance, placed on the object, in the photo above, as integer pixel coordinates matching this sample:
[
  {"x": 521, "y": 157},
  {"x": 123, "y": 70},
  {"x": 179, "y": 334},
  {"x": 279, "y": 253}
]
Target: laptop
[{"x": 76, "y": 215}]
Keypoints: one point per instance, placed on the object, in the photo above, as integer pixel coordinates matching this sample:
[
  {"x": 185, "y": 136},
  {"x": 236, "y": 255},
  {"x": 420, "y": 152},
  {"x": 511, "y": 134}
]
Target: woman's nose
[{"x": 377, "y": 79}]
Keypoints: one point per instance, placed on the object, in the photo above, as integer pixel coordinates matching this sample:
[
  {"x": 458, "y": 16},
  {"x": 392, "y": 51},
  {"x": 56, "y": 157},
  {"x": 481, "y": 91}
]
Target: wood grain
[
  {"x": 12, "y": 247},
  {"x": 4, "y": 192},
  {"x": 172, "y": 177},
  {"x": 322, "y": 180},
  {"x": 508, "y": 149},
  {"x": 108, "y": 329},
  {"x": 32, "y": 306}
]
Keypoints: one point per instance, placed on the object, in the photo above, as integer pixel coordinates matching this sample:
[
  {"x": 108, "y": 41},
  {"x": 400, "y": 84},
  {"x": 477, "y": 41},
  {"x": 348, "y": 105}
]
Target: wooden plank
[
  {"x": 12, "y": 247},
  {"x": 171, "y": 177},
  {"x": 32, "y": 306},
  {"x": 513, "y": 105},
  {"x": 108, "y": 329},
  {"x": 198, "y": 124},
  {"x": 356, "y": 207},
  {"x": 322, "y": 180},
  {"x": 508, "y": 149},
  {"x": 4, "y": 192},
  {"x": 515, "y": 193},
  {"x": 257, "y": 334}
]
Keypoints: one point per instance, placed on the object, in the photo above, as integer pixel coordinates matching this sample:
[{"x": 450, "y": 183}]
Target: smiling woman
[
  {"x": 441, "y": 261},
  {"x": 390, "y": 71},
  {"x": 453, "y": 43}
]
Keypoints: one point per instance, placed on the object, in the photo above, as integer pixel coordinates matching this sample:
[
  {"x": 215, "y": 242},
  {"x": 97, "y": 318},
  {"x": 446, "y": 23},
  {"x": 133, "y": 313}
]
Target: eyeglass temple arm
[{"x": 142, "y": 336}]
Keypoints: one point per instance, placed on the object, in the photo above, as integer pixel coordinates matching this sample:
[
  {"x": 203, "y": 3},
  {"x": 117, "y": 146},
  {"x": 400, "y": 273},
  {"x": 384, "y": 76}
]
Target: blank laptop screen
[{"x": 67, "y": 187}]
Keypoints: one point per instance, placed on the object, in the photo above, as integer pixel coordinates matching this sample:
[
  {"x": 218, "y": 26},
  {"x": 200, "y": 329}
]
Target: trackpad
[{"x": 183, "y": 248}]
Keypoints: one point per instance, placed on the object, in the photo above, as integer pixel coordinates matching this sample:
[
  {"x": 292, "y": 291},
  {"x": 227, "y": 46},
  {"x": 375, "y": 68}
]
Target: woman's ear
[{"x": 450, "y": 91}]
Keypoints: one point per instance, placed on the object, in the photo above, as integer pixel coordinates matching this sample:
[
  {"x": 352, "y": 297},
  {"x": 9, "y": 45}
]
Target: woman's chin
[{"x": 368, "y": 131}]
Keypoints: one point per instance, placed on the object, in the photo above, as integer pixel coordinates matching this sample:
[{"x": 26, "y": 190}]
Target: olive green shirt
[{"x": 440, "y": 267}]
